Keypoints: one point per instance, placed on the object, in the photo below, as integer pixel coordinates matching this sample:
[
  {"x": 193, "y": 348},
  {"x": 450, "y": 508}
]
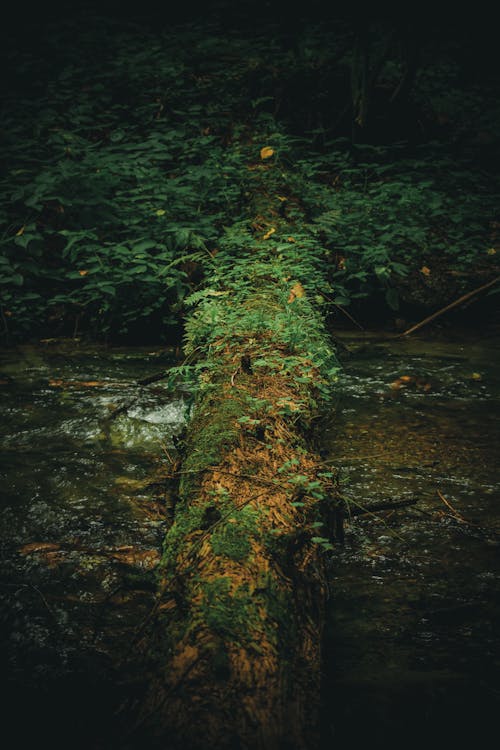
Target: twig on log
[
  {"x": 391, "y": 505},
  {"x": 457, "y": 302},
  {"x": 366, "y": 510}
]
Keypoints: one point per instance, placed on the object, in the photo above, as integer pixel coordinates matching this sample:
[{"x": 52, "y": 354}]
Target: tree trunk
[{"x": 235, "y": 642}]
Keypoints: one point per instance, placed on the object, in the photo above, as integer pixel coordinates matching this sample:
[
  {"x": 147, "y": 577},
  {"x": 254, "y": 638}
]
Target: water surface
[{"x": 413, "y": 636}]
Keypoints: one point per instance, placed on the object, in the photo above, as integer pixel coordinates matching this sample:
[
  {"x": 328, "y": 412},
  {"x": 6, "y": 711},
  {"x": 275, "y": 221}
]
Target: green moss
[
  {"x": 218, "y": 610},
  {"x": 214, "y": 429},
  {"x": 232, "y": 538},
  {"x": 232, "y": 616},
  {"x": 187, "y": 520},
  {"x": 236, "y": 616}
]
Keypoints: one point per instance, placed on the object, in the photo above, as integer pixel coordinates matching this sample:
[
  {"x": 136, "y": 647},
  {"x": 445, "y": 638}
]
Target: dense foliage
[{"x": 128, "y": 157}]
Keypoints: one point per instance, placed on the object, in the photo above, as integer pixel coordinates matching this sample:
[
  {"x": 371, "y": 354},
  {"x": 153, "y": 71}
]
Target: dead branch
[{"x": 456, "y": 303}]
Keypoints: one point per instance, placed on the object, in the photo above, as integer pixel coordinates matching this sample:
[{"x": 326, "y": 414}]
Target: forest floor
[{"x": 130, "y": 145}]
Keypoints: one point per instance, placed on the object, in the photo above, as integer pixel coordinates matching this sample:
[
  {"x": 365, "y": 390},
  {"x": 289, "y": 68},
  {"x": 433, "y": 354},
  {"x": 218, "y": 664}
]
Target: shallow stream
[{"x": 413, "y": 632}]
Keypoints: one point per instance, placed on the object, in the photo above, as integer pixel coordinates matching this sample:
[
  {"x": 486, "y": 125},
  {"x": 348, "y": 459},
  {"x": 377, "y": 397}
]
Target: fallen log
[{"x": 234, "y": 643}]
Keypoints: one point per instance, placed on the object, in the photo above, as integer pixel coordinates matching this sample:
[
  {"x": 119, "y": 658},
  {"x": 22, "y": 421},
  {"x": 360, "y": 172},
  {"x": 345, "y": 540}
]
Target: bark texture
[{"x": 236, "y": 636}]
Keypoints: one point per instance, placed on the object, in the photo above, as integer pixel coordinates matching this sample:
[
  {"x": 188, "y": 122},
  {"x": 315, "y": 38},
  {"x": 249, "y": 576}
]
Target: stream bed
[{"x": 413, "y": 632}]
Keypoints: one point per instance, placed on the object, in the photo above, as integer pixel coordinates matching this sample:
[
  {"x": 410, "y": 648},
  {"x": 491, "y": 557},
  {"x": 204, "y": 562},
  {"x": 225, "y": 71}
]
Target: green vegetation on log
[{"x": 241, "y": 580}]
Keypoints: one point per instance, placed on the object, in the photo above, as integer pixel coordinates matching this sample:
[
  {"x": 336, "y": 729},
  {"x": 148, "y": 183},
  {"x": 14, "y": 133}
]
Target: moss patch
[
  {"x": 215, "y": 429},
  {"x": 227, "y": 613},
  {"x": 232, "y": 538},
  {"x": 189, "y": 520}
]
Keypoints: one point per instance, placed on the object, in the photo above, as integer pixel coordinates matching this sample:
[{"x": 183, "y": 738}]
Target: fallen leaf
[
  {"x": 266, "y": 152},
  {"x": 476, "y": 376},
  {"x": 269, "y": 233},
  {"x": 296, "y": 292}
]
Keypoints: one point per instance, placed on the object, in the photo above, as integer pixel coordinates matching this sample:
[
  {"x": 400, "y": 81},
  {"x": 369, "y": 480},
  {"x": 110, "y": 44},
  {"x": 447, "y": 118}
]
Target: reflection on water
[
  {"x": 413, "y": 633},
  {"x": 82, "y": 521}
]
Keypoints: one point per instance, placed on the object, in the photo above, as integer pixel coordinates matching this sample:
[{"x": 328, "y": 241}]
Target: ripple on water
[
  {"x": 415, "y": 617},
  {"x": 415, "y": 620}
]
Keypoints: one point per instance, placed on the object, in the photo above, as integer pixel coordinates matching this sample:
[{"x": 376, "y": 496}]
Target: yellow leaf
[
  {"x": 290, "y": 239},
  {"x": 296, "y": 292},
  {"x": 160, "y": 212},
  {"x": 269, "y": 233},
  {"x": 476, "y": 376},
  {"x": 426, "y": 271},
  {"x": 490, "y": 250},
  {"x": 20, "y": 232},
  {"x": 83, "y": 273},
  {"x": 266, "y": 152},
  {"x": 281, "y": 198}
]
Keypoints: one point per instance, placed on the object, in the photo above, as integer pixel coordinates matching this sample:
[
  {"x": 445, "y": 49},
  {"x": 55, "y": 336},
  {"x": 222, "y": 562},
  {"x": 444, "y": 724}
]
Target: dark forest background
[{"x": 128, "y": 130}]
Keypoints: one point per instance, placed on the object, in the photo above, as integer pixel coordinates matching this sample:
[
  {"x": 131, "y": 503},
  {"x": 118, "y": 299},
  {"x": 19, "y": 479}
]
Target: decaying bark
[{"x": 235, "y": 642}]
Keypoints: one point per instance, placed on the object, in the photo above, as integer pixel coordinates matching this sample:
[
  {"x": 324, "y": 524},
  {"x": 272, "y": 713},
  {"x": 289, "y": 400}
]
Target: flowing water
[
  {"x": 84, "y": 450},
  {"x": 412, "y": 646}
]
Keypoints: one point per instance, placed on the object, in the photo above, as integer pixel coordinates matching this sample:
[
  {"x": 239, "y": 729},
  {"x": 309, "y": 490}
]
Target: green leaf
[{"x": 144, "y": 245}]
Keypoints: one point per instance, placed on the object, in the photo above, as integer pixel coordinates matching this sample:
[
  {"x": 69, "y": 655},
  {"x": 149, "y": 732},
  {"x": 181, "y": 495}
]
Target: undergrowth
[{"x": 127, "y": 158}]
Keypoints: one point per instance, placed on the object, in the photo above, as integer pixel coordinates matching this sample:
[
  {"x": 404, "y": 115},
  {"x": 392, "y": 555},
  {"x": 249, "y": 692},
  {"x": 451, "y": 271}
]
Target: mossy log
[{"x": 236, "y": 635}]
